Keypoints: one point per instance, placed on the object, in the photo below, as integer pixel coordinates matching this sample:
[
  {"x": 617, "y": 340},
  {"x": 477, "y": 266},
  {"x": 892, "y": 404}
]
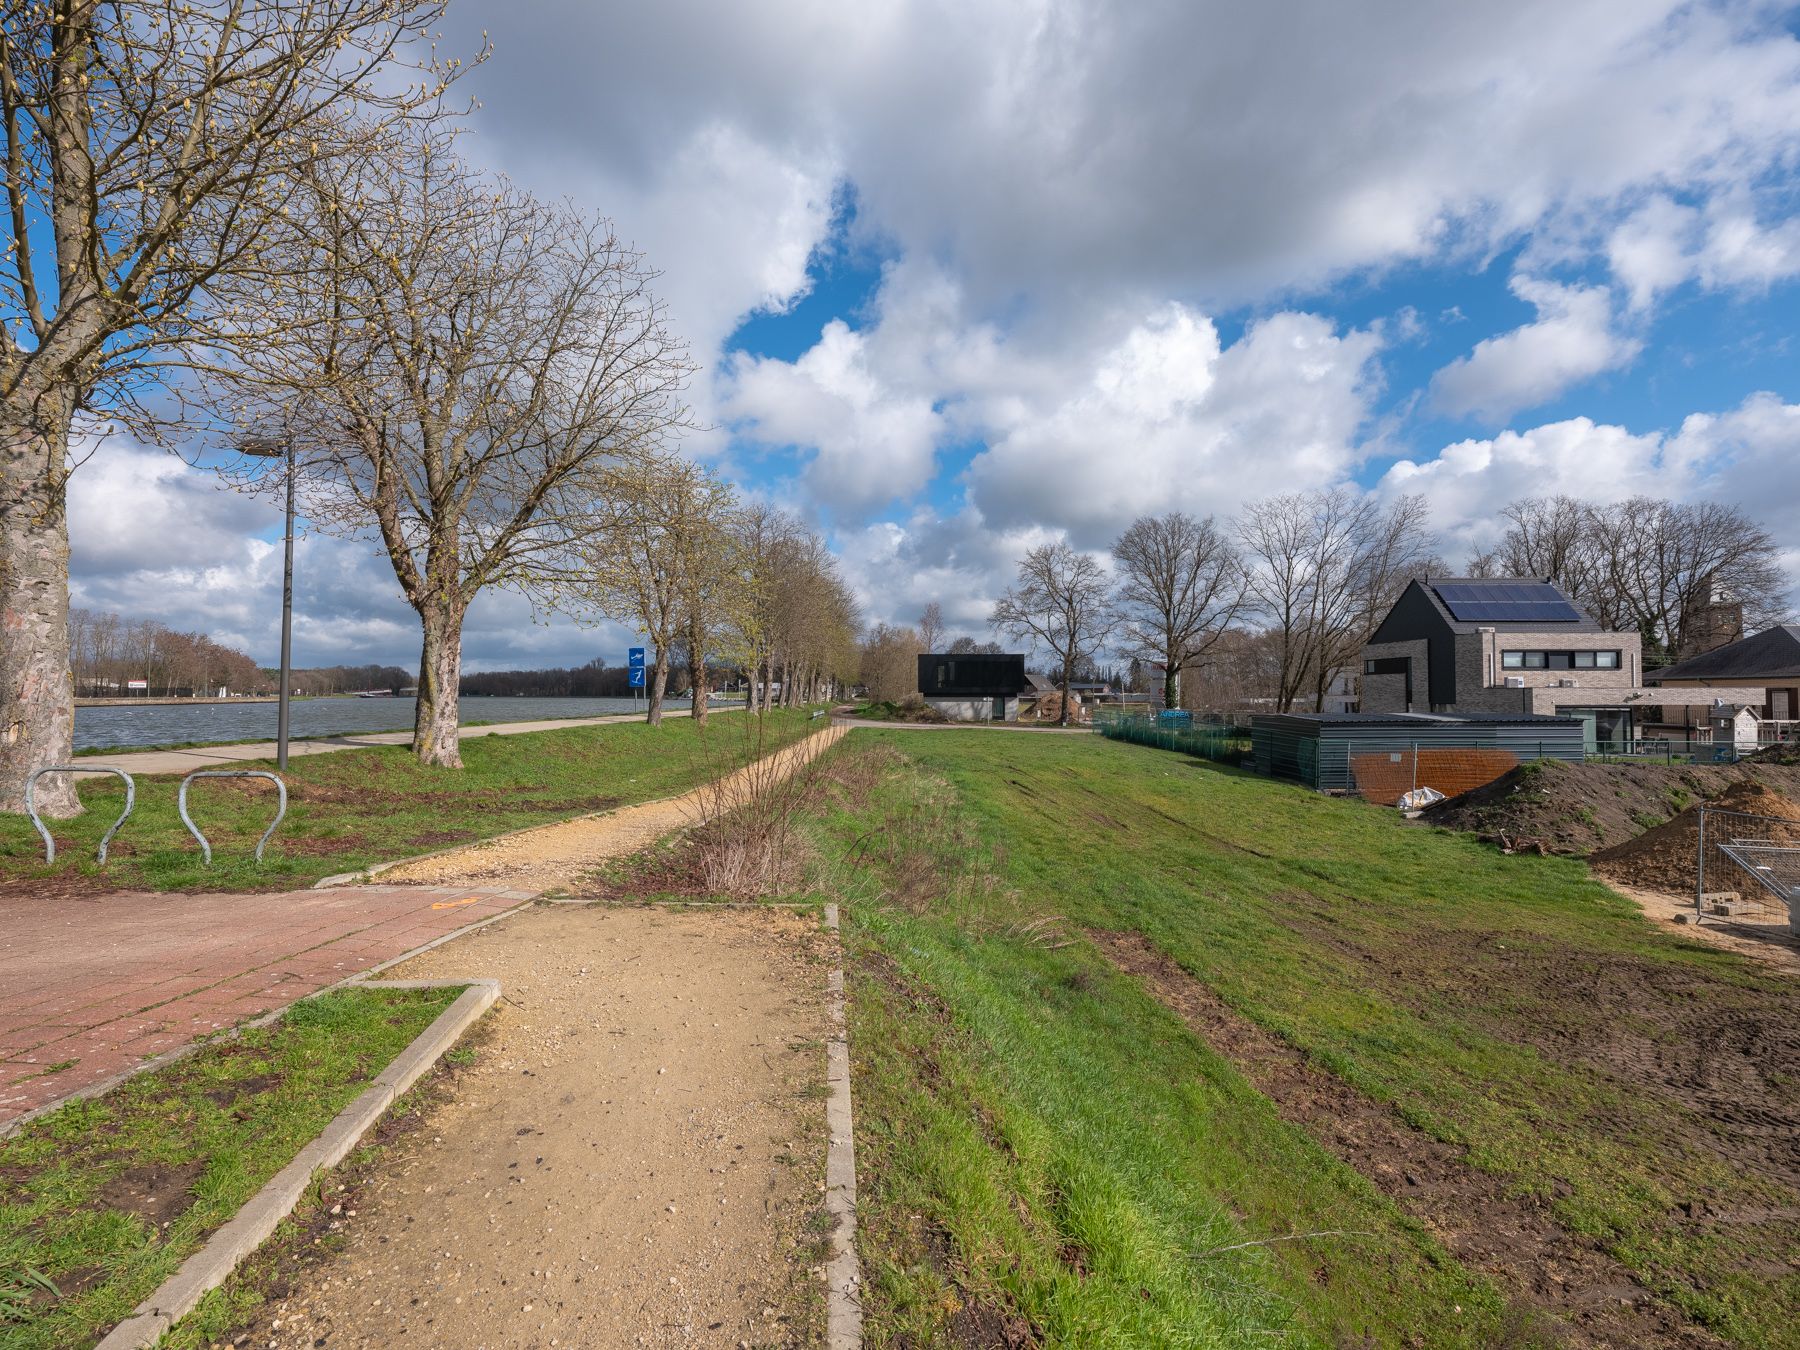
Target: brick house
[
  {"x": 1521, "y": 645},
  {"x": 1769, "y": 660}
]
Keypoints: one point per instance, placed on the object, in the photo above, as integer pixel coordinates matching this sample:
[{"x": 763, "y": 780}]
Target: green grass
[
  {"x": 81, "y": 1245},
  {"x": 357, "y": 807},
  {"x": 1040, "y": 1139}
]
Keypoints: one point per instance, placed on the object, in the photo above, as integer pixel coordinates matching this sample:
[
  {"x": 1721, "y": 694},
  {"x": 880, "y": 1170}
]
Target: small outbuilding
[
  {"x": 973, "y": 686},
  {"x": 1383, "y": 755}
]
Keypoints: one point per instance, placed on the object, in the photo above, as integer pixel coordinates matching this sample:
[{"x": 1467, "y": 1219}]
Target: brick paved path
[{"x": 99, "y": 985}]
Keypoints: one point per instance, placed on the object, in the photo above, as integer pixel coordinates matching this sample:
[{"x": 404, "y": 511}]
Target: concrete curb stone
[
  {"x": 843, "y": 1272},
  {"x": 209, "y": 1267}
]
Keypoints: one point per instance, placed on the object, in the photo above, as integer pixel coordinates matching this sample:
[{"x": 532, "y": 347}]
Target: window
[
  {"x": 1596, "y": 660},
  {"x": 1559, "y": 660}
]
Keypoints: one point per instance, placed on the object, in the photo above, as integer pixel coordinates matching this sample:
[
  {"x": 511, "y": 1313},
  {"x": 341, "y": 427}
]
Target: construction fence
[
  {"x": 1220, "y": 742},
  {"x": 1747, "y": 867}
]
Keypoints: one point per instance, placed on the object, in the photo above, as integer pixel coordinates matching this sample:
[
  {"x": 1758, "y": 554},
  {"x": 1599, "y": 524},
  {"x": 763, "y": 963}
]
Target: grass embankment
[
  {"x": 102, "y": 1200},
  {"x": 358, "y": 807},
  {"x": 1046, "y": 1151}
]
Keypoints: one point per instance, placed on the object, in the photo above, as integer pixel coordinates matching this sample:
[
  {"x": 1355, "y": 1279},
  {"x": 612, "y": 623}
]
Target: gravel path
[
  {"x": 552, "y": 856},
  {"x": 635, "y": 1159}
]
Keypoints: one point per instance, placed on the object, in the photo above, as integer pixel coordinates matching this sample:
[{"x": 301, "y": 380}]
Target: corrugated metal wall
[{"x": 1317, "y": 752}]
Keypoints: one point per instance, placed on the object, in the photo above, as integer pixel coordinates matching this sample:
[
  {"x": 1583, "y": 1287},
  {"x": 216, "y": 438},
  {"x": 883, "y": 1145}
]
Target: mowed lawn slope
[
  {"x": 1050, "y": 1155},
  {"x": 358, "y": 807}
]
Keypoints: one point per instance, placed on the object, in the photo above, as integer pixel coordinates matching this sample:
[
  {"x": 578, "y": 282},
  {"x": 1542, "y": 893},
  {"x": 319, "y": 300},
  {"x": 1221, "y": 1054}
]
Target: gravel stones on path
[
  {"x": 636, "y": 1158},
  {"x": 553, "y": 856}
]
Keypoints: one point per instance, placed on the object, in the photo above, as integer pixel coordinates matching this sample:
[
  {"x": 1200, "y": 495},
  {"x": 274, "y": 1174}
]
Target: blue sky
[{"x": 962, "y": 277}]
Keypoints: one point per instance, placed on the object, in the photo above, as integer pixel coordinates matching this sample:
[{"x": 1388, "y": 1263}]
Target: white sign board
[{"x": 137, "y": 684}]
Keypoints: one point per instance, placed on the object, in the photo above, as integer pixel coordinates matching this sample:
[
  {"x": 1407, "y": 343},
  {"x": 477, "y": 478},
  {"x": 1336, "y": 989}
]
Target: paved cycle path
[{"x": 96, "y": 986}]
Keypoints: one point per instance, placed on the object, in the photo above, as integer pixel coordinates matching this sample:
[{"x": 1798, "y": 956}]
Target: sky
[{"x": 965, "y": 277}]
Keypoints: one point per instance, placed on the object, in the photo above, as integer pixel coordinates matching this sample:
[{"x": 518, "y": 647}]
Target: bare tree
[
  {"x": 660, "y": 554},
  {"x": 792, "y": 619},
  {"x": 1062, "y": 600},
  {"x": 463, "y": 370},
  {"x": 1667, "y": 562},
  {"x": 1554, "y": 537},
  {"x": 153, "y": 141},
  {"x": 1182, "y": 587},
  {"x": 1323, "y": 566},
  {"x": 931, "y": 626},
  {"x": 890, "y": 662},
  {"x": 968, "y": 645},
  {"x": 1645, "y": 563}
]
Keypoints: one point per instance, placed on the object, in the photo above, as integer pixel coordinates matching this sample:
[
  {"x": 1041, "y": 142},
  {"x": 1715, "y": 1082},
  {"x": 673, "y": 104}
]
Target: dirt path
[
  {"x": 1770, "y": 940},
  {"x": 635, "y": 1158},
  {"x": 553, "y": 856},
  {"x": 1558, "y": 1284}
]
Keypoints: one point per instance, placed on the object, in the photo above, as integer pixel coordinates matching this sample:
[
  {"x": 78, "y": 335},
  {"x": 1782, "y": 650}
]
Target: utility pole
[{"x": 268, "y": 449}]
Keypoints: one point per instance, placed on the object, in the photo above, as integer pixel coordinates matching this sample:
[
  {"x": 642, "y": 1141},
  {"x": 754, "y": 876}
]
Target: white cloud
[
  {"x": 1744, "y": 456},
  {"x": 1572, "y": 339},
  {"x": 1723, "y": 245},
  {"x": 1083, "y": 145},
  {"x": 154, "y": 538},
  {"x": 1169, "y": 420},
  {"x": 870, "y": 444}
]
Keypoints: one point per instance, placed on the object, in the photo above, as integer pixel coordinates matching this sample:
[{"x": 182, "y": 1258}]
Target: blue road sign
[
  {"x": 637, "y": 677},
  {"x": 634, "y": 657}
]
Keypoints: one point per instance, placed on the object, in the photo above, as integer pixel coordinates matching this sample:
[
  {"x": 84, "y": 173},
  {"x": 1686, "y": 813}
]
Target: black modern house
[{"x": 973, "y": 686}]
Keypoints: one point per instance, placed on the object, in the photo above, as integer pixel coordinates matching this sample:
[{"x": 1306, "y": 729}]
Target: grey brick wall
[{"x": 1387, "y": 693}]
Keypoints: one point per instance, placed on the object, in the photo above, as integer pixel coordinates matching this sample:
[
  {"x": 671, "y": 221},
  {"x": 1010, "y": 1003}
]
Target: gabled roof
[
  {"x": 1469, "y": 604},
  {"x": 1773, "y": 654}
]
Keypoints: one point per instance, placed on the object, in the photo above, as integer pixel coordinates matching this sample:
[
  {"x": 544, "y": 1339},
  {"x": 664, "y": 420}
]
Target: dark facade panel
[
  {"x": 1413, "y": 617},
  {"x": 972, "y": 674}
]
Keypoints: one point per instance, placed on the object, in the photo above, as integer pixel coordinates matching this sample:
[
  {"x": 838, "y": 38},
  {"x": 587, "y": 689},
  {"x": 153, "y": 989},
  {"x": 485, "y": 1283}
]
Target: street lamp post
[{"x": 283, "y": 451}]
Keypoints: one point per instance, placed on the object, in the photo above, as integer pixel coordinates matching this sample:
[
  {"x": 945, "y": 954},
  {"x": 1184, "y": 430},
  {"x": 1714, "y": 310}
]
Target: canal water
[{"x": 120, "y": 728}]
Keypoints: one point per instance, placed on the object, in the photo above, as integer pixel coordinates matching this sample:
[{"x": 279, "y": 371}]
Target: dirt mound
[
  {"x": 1665, "y": 858},
  {"x": 1782, "y": 752},
  {"x": 1557, "y": 807}
]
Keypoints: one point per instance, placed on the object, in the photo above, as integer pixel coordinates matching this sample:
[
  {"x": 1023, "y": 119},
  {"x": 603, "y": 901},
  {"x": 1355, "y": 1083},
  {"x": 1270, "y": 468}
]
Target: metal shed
[{"x": 1315, "y": 748}]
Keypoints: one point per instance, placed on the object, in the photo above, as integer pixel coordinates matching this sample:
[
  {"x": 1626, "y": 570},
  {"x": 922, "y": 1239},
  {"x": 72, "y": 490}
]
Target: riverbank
[
  {"x": 135, "y": 724},
  {"x": 171, "y": 702},
  {"x": 187, "y": 758},
  {"x": 348, "y": 812}
]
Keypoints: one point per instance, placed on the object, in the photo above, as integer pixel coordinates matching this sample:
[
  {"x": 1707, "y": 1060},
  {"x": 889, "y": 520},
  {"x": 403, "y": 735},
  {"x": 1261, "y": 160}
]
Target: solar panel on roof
[{"x": 1506, "y": 602}]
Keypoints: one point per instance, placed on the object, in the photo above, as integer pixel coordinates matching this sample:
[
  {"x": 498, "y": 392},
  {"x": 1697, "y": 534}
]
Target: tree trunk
[
  {"x": 697, "y": 680},
  {"x": 37, "y": 693},
  {"x": 1171, "y": 685},
  {"x": 1068, "y": 678},
  {"x": 659, "y": 685},
  {"x": 436, "y": 739}
]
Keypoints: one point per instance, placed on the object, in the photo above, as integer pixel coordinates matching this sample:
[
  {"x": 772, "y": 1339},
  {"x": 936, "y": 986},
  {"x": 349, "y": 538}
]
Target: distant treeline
[
  {"x": 107, "y": 653},
  {"x": 322, "y": 680},
  {"x": 594, "y": 680}
]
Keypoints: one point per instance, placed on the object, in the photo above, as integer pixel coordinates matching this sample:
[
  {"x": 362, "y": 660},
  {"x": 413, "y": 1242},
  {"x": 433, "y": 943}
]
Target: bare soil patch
[
  {"x": 1665, "y": 858},
  {"x": 1562, "y": 1287},
  {"x": 155, "y": 1194},
  {"x": 1722, "y": 1051},
  {"x": 635, "y": 1158},
  {"x": 1767, "y": 939},
  {"x": 1555, "y": 807}
]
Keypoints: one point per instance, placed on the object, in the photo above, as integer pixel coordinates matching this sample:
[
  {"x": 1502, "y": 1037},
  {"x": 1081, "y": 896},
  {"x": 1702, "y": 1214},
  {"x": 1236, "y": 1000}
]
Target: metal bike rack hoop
[
  {"x": 193, "y": 829},
  {"x": 105, "y": 839}
]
